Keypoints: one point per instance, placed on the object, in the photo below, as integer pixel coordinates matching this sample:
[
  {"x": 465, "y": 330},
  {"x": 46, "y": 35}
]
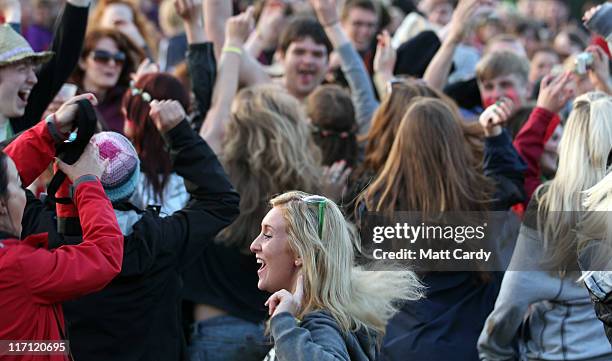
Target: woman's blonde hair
[
  {"x": 354, "y": 297},
  {"x": 268, "y": 150},
  {"x": 584, "y": 151},
  {"x": 595, "y": 227}
]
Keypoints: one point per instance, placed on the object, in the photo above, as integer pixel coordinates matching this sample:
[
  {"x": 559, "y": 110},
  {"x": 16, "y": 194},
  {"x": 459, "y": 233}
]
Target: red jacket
[
  {"x": 529, "y": 143},
  {"x": 34, "y": 280}
]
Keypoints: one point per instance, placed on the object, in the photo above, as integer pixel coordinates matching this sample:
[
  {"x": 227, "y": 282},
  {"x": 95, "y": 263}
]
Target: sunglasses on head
[
  {"x": 321, "y": 202},
  {"x": 104, "y": 57}
]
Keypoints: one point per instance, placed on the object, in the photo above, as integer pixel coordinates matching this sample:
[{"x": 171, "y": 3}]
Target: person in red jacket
[{"x": 33, "y": 280}]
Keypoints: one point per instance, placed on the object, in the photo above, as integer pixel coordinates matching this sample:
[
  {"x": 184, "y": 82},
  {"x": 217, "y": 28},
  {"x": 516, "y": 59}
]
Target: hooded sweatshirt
[
  {"x": 319, "y": 338},
  {"x": 540, "y": 315}
]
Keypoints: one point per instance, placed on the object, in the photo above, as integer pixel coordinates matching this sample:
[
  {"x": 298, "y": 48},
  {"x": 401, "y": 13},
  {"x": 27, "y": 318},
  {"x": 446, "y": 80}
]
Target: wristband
[
  {"x": 232, "y": 49},
  {"x": 331, "y": 24}
]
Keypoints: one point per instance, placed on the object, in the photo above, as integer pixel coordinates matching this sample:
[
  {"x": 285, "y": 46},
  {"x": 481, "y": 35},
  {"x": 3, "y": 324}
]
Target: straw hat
[{"x": 14, "y": 48}]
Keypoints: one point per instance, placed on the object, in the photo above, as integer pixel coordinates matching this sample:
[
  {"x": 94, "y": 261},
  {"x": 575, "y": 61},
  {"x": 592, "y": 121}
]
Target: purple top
[
  {"x": 39, "y": 37},
  {"x": 110, "y": 109}
]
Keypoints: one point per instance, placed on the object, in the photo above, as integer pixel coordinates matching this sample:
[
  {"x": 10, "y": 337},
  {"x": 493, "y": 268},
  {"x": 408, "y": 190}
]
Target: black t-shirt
[
  {"x": 465, "y": 93},
  {"x": 225, "y": 278}
]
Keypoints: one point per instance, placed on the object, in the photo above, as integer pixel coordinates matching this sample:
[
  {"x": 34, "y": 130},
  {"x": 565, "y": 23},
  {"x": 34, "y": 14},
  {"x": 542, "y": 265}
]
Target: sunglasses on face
[{"x": 104, "y": 57}]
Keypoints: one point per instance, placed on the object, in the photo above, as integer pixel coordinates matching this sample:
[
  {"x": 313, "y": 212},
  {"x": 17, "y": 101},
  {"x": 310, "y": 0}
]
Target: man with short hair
[
  {"x": 503, "y": 74},
  {"x": 304, "y": 50},
  {"x": 359, "y": 19}
]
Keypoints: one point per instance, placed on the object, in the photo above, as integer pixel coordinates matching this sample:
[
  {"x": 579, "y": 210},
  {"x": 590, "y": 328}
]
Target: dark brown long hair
[
  {"x": 388, "y": 116},
  {"x": 133, "y": 54},
  {"x": 430, "y": 168},
  {"x": 154, "y": 160}
]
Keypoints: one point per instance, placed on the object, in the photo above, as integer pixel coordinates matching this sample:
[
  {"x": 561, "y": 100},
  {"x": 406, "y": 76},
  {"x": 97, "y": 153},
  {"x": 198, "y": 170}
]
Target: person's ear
[
  {"x": 298, "y": 262},
  {"x": 82, "y": 64},
  {"x": 281, "y": 55}
]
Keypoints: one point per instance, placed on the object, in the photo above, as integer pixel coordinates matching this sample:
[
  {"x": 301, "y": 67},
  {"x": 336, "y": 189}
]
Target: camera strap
[{"x": 70, "y": 151}]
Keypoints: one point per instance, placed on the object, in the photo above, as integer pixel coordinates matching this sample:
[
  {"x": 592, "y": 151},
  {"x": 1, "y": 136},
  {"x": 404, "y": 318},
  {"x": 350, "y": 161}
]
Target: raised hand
[
  {"x": 189, "y": 10},
  {"x": 335, "y": 179},
  {"x": 130, "y": 30},
  {"x": 327, "y": 11},
  {"x": 89, "y": 163},
  {"x": 285, "y": 301},
  {"x": 65, "y": 115},
  {"x": 494, "y": 116},
  {"x": 271, "y": 19},
  {"x": 145, "y": 67},
  {"x": 239, "y": 27},
  {"x": 461, "y": 17},
  {"x": 385, "y": 57},
  {"x": 599, "y": 71},
  {"x": 554, "y": 93},
  {"x": 166, "y": 114}
]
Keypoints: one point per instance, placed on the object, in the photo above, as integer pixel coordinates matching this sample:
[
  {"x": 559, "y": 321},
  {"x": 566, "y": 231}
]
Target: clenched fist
[{"x": 166, "y": 114}]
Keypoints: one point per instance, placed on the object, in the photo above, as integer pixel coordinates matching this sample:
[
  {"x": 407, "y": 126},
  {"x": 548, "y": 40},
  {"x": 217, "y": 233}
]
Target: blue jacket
[{"x": 446, "y": 324}]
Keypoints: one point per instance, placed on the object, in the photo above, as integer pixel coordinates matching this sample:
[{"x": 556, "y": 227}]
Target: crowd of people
[{"x": 189, "y": 179}]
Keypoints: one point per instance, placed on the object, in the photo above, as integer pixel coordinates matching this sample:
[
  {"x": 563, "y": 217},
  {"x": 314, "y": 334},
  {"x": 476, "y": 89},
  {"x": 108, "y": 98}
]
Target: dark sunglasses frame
[{"x": 103, "y": 56}]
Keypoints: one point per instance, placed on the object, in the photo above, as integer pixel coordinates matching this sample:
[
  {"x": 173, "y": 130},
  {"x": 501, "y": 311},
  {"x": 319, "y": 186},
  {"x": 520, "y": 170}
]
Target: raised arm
[
  {"x": 200, "y": 57},
  {"x": 67, "y": 42},
  {"x": 438, "y": 69},
  {"x": 216, "y": 14},
  {"x": 226, "y": 86},
  {"x": 265, "y": 37},
  {"x": 72, "y": 271},
  {"x": 599, "y": 72},
  {"x": 33, "y": 150},
  {"x": 530, "y": 140},
  {"x": 353, "y": 68},
  {"x": 501, "y": 161},
  {"x": 214, "y": 202},
  {"x": 384, "y": 63},
  {"x": 191, "y": 12}
]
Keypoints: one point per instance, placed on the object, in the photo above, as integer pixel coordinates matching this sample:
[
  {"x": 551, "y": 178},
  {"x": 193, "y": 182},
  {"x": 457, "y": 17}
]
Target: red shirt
[{"x": 33, "y": 280}]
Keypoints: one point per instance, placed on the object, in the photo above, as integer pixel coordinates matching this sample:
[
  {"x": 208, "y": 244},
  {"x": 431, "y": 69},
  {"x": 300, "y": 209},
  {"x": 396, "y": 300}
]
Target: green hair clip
[{"x": 321, "y": 202}]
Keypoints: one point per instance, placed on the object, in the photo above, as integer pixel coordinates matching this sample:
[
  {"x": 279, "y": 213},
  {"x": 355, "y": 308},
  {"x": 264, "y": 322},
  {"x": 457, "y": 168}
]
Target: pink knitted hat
[{"x": 121, "y": 175}]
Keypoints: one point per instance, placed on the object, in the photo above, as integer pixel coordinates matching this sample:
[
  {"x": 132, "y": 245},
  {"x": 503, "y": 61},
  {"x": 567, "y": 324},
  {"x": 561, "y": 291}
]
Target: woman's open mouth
[{"x": 262, "y": 265}]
